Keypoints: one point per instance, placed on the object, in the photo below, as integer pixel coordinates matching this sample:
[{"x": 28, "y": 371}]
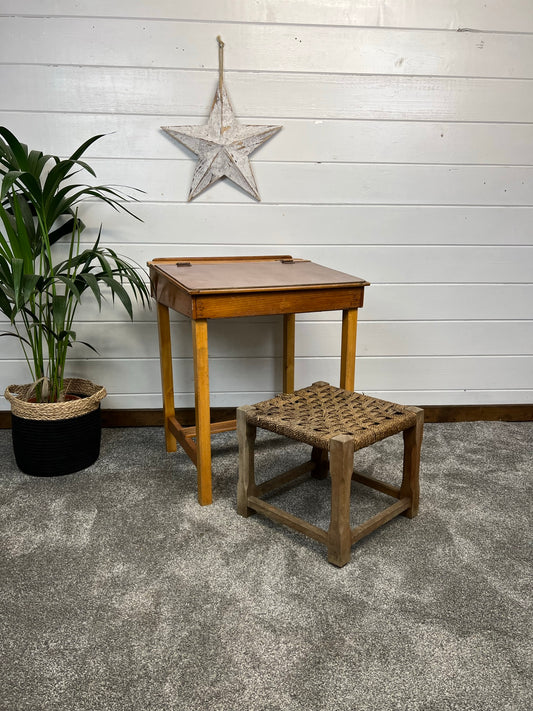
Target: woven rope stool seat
[
  {"x": 339, "y": 422},
  {"x": 316, "y": 414}
]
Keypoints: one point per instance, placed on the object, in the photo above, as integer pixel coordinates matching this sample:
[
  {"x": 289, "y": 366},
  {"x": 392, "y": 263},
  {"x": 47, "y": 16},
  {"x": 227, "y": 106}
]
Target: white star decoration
[{"x": 222, "y": 146}]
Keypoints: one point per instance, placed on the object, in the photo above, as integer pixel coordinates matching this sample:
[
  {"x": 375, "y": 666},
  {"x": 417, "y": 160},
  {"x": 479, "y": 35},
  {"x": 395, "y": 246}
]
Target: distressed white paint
[
  {"x": 443, "y": 14},
  {"x": 324, "y": 140},
  {"x": 338, "y": 183},
  {"x": 389, "y": 302},
  {"x": 445, "y": 265},
  {"x": 259, "y": 338},
  {"x": 304, "y": 224},
  {"x": 406, "y": 158},
  {"x": 270, "y": 47},
  {"x": 412, "y": 373},
  {"x": 132, "y": 90}
]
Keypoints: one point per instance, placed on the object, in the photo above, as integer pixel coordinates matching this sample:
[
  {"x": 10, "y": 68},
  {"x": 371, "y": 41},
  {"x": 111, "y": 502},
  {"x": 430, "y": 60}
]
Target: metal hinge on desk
[
  {"x": 294, "y": 261},
  {"x": 183, "y": 264}
]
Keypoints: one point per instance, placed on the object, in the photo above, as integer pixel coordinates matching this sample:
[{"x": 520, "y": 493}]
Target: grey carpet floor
[{"x": 119, "y": 592}]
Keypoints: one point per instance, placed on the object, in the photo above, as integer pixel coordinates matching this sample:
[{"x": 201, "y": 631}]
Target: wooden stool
[{"x": 341, "y": 422}]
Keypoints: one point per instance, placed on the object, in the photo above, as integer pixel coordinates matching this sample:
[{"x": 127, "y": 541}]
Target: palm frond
[{"x": 39, "y": 293}]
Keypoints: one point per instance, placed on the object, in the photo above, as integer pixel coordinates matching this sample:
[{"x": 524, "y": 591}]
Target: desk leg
[
  {"x": 289, "y": 322},
  {"x": 201, "y": 400},
  {"x": 167, "y": 381},
  {"x": 349, "y": 334}
]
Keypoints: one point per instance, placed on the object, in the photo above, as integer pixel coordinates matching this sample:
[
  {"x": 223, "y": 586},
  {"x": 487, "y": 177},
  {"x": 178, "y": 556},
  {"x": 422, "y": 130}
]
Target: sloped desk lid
[{"x": 198, "y": 276}]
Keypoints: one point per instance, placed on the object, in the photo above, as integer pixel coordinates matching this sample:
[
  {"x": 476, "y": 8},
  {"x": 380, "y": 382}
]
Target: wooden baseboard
[
  {"x": 432, "y": 413},
  {"x": 472, "y": 413},
  {"x": 154, "y": 418}
]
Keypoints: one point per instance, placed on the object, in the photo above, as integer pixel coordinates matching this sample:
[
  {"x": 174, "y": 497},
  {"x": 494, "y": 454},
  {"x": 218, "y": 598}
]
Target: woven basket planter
[{"x": 52, "y": 439}]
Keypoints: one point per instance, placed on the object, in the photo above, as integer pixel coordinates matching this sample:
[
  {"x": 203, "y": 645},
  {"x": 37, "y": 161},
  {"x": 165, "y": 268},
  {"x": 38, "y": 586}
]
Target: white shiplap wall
[{"x": 406, "y": 158}]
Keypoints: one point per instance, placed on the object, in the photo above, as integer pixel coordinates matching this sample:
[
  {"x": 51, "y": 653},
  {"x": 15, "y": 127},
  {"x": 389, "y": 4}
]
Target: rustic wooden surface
[
  {"x": 349, "y": 336},
  {"x": 289, "y": 346},
  {"x": 246, "y": 485},
  {"x": 280, "y": 289},
  {"x": 410, "y": 487},
  {"x": 341, "y": 468},
  {"x": 167, "y": 380},
  {"x": 379, "y": 519},
  {"x": 203, "y": 423},
  {"x": 230, "y": 275}
]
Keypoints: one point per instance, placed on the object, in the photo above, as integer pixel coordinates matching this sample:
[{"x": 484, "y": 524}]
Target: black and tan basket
[{"x": 51, "y": 439}]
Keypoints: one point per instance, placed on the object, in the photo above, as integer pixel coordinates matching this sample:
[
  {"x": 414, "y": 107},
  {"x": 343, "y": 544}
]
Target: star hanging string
[{"x": 223, "y": 145}]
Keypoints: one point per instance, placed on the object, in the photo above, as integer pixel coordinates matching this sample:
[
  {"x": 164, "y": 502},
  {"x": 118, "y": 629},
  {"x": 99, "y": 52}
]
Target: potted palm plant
[{"x": 45, "y": 271}]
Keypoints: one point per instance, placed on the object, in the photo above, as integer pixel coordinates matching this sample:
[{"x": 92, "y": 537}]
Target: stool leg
[
  {"x": 412, "y": 439},
  {"x": 246, "y": 486},
  {"x": 320, "y": 458},
  {"x": 341, "y": 469}
]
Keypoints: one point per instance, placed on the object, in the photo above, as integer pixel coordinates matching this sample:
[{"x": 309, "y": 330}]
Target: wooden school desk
[{"x": 226, "y": 287}]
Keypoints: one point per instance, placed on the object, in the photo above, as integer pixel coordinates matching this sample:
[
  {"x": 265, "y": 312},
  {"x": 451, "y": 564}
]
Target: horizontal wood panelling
[
  {"x": 427, "y": 338},
  {"x": 457, "y": 301},
  {"x": 384, "y": 302},
  {"x": 276, "y": 48},
  {"x": 345, "y": 183},
  {"x": 230, "y": 337},
  {"x": 387, "y": 264},
  {"x": 301, "y": 140},
  {"x": 261, "y": 338},
  {"x": 408, "y": 373},
  {"x": 391, "y": 302},
  {"x": 478, "y": 15},
  {"x": 406, "y": 158},
  {"x": 302, "y": 225},
  {"x": 269, "y": 94},
  {"x": 264, "y": 374}
]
